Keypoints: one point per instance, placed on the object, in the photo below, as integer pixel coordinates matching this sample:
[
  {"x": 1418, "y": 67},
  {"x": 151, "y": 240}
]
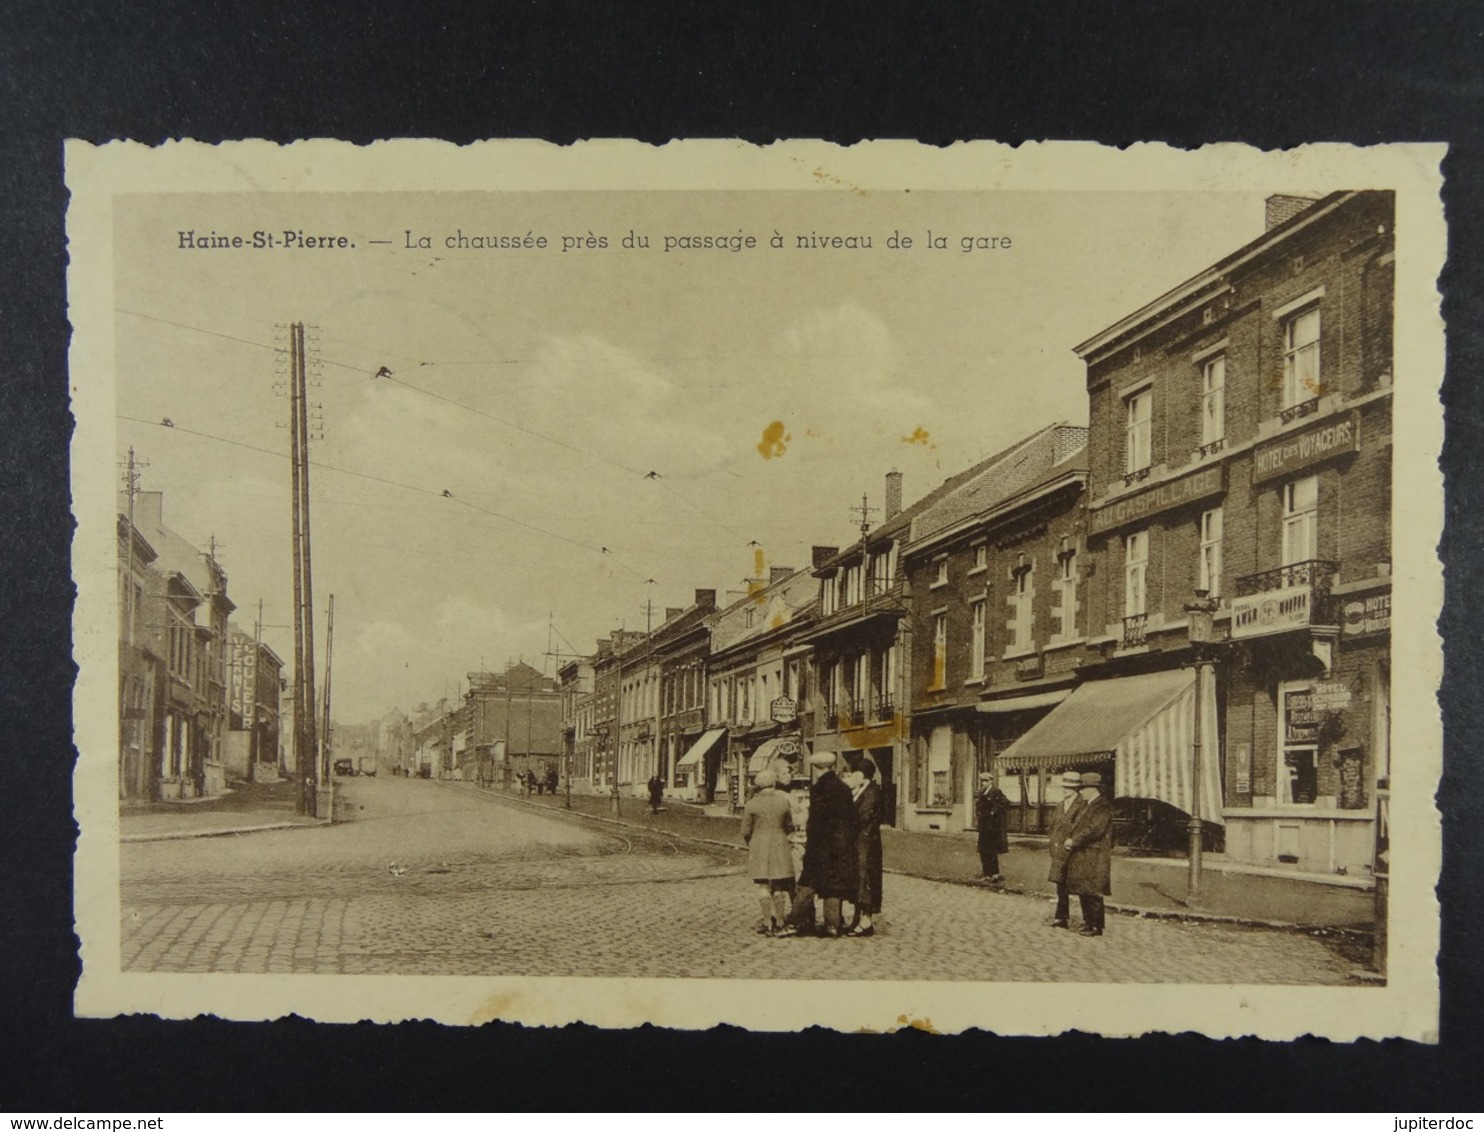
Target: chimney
[
  {"x": 706, "y": 599},
  {"x": 776, "y": 574},
  {"x": 822, "y": 554},
  {"x": 149, "y": 511},
  {"x": 1282, "y": 207},
  {"x": 893, "y": 493}
]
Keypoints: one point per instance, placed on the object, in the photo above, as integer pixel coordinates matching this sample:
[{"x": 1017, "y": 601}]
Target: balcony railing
[
  {"x": 857, "y": 716},
  {"x": 1297, "y": 412},
  {"x": 1131, "y": 478},
  {"x": 884, "y": 709},
  {"x": 1314, "y": 572},
  {"x": 1210, "y": 448},
  {"x": 1134, "y": 629}
]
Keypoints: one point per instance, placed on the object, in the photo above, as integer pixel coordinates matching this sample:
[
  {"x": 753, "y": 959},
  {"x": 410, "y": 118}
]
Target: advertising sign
[
  {"x": 1161, "y": 497},
  {"x": 1300, "y": 717},
  {"x": 783, "y": 710},
  {"x": 1366, "y": 615},
  {"x": 1270, "y": 612},
  {"x": 1299, "y": 450}
]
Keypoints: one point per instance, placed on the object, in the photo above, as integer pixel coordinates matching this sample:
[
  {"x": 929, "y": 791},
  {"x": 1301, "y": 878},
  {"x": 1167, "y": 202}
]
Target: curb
[
  {"x": 233, "y": 831},
  {"x": 1186, "y": 916}
]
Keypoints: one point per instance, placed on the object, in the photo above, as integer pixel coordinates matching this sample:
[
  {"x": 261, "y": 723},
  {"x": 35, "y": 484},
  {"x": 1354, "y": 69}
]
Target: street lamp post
[{"x": 1199, "y": 614}]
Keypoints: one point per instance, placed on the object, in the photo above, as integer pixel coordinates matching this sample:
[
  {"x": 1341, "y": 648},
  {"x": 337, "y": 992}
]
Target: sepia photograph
[{"x": 784, "y": 586}]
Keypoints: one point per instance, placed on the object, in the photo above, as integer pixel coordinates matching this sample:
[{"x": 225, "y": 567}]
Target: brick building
[
  {"x": 1240, "y": 444},
  {"x": 994, "y": 578}
]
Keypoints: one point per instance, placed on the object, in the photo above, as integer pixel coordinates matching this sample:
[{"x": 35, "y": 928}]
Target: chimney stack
[
  {"x": 893, "y": 493},
  {"x": 776, "y": 574},
  {"x": 822, "y": 554},
  {"x": 706, "y": 599},
  {"x": 1282, "y": 207}
]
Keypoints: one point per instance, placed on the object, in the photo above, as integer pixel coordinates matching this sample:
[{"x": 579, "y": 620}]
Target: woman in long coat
[
  {"x": 829, "y": 848},
  {"x": 766, "y": 824},
  {"x": 867, "y": 793}
]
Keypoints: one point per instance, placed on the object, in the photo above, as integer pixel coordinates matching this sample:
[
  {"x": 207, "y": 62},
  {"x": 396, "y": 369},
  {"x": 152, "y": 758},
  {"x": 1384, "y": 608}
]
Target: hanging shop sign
[
  {"x": 1160, "y": 497},
  {"x": 1366, "y": 615},
  {"x": 787, "y": 749},
  {"x": 783, "y": 710},
  {"x": 1303, "y": 449},
  {"x": 1301, "y": 719}
]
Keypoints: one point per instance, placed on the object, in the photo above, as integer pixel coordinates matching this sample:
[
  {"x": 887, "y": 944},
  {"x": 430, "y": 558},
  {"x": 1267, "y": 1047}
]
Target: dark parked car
[{"x": 345, "y": 768}]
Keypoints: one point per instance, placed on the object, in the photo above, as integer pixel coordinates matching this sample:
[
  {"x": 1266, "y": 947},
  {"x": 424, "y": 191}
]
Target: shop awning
[
  {"x": 1147, "y": 723},
  {"x": 772, "y": 749},
  {"x": 699, "y": 748},
  {"x": 1026, "y": 703}
]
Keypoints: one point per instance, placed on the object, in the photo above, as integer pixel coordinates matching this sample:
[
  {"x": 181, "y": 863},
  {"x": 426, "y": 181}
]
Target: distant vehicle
[
  {"x": 345, "y": 768},
  {"x": 366, "y": 765}
]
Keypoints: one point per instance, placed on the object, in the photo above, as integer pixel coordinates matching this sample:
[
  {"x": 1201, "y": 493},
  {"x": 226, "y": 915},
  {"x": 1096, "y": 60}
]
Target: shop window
[
  {"x": 940, "y": 768},
  {"x": 1301, "y": 358}
]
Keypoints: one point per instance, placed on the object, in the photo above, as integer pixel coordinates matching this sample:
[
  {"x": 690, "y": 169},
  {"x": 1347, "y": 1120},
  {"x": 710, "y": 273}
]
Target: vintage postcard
[{"x": 782, "y": 586}]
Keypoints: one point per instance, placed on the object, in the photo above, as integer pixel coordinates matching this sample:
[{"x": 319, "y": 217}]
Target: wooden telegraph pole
[{"x": 305, "y": 743}]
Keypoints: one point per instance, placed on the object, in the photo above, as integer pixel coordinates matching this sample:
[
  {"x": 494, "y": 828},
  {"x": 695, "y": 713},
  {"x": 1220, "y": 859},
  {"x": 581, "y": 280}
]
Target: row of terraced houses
[{"x": 1034, "y": 612}]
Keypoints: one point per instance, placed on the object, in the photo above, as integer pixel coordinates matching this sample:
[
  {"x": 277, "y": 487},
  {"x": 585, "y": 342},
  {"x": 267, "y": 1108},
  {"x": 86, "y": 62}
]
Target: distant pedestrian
[
  {"x": 991, "y": 808},
  {"x": 766, "y": 823},
  {"x": 829, "y": 848},
  {"x": 867, "y": 795},
  {"x": 656, "y": 792},
  {"x": 1061, "y": 828},
  {"x": 551, "y": 780},
  {"x": 1089, "y": 847}
]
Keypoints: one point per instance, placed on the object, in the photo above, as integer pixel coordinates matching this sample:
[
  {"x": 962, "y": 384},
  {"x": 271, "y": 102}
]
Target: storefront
[
  {"x": 696, "y": 771},
  {"x": 1139, "y": 732}
]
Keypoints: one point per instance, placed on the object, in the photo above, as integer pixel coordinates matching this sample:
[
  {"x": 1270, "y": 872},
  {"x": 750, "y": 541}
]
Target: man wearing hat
[
  {"x": 829, "y": 847},
  {"x": 1061, "y": 828},
  {"x": 1089, "y": 846},
  {"x": 990, "y": 809}
]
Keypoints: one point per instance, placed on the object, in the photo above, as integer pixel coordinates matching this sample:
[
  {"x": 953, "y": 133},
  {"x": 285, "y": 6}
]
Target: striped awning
[
  {"x": 782, "y": 748},
  {"x": 1145, "y": 723},
  {"x": 699, "y": 748}
]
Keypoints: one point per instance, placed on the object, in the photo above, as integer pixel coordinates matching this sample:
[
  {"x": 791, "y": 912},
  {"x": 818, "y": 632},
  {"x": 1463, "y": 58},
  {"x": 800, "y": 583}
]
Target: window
[
  {"x": 881, "y": 571},
  {"x": 938, "y": 676},
  {"x": 1301, "y": 358},
  {"x": 1300, "y": 513},
  {"x": 827, "y": 693},
  {"x": 940, "y": 766},
  {"x": 1213, "y": 400},
  {"x": 888, "y": 680},
  {"x": 827, "y": 602},
  {"x": 1135, "y": 572},
  {"x": 850, "y": 592},
  {"x": 1022, "y": 598},
  {"x": 1210, "y": 579},
  {"x": 1298, "y": 723},
  {"x": 976, "y": 656},
  {"x": 981, "y": 557},
  {"x": 1139, "y": 409},
  {"x": 856, "y": 669},
  {"x": 1064, "y": 614},
  {"x": 940, "y": 572}
]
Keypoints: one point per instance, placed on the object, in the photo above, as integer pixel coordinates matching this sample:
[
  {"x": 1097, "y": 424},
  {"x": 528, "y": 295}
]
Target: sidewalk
[
  {"x": 1145, "y": 885},
  {"x": 248, "y": 807}
]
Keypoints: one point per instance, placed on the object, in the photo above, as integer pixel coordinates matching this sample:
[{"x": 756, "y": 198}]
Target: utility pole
[
  {"x": 325, "y": 779},
  {"x": 305, "y": 744},
  {"x": 131, "y": 485}
]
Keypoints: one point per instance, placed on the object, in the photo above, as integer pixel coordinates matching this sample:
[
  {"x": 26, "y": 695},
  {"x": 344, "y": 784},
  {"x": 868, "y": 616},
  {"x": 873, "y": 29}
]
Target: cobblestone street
[{"x": 423, "y": 878}]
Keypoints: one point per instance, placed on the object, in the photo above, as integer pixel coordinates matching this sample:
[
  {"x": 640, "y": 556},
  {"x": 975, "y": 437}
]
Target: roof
[{"x": 1052, "y": 454}]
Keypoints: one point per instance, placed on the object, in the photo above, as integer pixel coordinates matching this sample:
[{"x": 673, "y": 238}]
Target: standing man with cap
[
  {"x": 1061, "y": 828},
  {"x": 829, "y": 847},
  {"x": 990, "y": 806},
  {"x": 1089, "y": 848}
]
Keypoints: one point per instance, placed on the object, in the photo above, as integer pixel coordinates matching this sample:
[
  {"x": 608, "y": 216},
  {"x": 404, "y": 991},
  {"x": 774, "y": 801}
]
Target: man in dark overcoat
[
  {"x": 990, "y": 809},
  {"x": 866, "y": 793},
  {"x": 1061, "y": 828},
  {"x": 829, "y": 846},
  {"x": 1090, "y": 854}
]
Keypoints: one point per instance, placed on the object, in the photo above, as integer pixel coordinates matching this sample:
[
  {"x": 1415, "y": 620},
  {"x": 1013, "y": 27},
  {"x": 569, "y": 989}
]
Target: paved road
[{"x": 439, "y": 879}]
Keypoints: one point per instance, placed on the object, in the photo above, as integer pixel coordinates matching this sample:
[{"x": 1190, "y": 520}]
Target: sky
[{"x": 767, "y": 389}]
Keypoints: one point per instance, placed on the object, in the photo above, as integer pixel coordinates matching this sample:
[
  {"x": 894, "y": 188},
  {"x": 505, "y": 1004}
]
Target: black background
[{"x": 1275, "y": 75}]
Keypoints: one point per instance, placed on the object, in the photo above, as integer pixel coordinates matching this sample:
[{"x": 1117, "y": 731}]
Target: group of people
[
  {"x": 836, "y": 861},
  {"x": 531, "y": 781}
]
